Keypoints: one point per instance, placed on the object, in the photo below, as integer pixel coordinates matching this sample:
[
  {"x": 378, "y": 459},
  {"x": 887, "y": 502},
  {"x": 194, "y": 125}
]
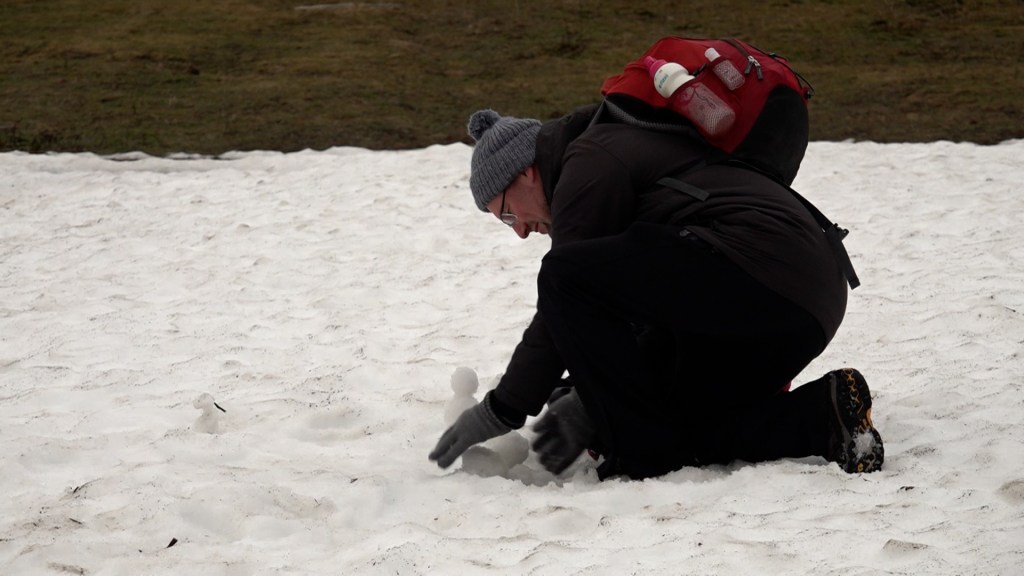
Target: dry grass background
[{"x": 165, "y": 76}]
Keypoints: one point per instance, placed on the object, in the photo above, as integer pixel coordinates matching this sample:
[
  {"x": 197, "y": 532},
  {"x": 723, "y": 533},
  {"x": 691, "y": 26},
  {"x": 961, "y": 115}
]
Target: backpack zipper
[{"x": 752, "y": 62}]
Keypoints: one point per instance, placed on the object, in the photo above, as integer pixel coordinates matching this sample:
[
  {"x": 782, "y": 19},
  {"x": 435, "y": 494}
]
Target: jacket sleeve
[{"x": 534, "y": 371}]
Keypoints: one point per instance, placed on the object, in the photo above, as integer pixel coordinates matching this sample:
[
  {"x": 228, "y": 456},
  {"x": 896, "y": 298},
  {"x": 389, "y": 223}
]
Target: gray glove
[
  {"x": 478, "y": 424},
  {"x": 563, "y": 433}
]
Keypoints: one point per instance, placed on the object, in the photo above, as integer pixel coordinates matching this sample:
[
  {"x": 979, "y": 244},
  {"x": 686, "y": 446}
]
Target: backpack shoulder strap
[
  {"x": 680, "y": 186},
  {"x": 834, "y": 233}
]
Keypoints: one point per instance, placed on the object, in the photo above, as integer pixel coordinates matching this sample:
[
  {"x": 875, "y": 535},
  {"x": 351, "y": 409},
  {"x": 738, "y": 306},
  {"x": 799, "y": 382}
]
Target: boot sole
[{"x": 862, "y": 449}]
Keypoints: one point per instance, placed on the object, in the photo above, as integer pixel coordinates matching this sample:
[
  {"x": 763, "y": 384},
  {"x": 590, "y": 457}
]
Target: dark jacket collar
[{"x": 552, "y": 141}]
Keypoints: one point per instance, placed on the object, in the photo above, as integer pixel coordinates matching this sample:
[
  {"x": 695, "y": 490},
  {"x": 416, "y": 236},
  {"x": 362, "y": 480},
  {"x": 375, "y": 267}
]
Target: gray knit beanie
[{"x": 505, "y": 146}]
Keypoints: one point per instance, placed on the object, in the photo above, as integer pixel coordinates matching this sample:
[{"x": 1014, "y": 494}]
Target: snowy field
[{"x": 324, "y": 300}]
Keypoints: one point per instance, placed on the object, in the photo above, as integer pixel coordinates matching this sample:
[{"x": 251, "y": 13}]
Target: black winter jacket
[{"x": 599, "y": 179}]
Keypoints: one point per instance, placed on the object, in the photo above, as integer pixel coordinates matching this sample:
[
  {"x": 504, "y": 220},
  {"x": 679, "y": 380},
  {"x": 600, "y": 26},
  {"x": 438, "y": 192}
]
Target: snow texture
[{"x": 325, "y": 299}]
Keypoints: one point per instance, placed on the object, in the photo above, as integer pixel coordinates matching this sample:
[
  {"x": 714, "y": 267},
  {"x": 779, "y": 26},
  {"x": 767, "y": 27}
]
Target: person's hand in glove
[
  {"x": 564, "y": 431},
  {"x": 475, "y": 425}
]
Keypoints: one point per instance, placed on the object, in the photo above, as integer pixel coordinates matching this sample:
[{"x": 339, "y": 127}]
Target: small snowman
[
  {"x": 209, "y": 421},
  {"x": 497, "y": 456},
  {"x": 464, "y": 386}
]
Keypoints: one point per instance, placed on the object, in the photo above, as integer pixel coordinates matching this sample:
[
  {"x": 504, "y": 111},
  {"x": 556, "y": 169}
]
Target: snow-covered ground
[{"x": 324, "y": 300}]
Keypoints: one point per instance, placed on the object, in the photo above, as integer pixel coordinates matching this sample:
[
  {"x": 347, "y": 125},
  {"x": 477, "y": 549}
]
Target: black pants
[{"x": 678, "y": 355}]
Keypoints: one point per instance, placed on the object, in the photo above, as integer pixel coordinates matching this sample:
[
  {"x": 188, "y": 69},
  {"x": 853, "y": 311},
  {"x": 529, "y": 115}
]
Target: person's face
[{"x": 522, "y": 205}]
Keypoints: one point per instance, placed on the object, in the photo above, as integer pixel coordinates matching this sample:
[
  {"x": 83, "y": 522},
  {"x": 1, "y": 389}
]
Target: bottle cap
[{"x": 711, "y": 54}]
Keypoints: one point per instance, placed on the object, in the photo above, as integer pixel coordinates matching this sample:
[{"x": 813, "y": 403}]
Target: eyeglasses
[{"x": 507, "y": 218}]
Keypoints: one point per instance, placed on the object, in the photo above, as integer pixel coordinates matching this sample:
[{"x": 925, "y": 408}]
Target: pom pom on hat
[
  {"x": 481, "y": 122},
  {"x": 505, "y": 146}
]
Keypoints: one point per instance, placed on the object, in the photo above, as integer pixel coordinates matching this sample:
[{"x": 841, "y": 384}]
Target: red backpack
[
  {"x": 770, "y": 130},
  {"x": 769, "y": 127}
]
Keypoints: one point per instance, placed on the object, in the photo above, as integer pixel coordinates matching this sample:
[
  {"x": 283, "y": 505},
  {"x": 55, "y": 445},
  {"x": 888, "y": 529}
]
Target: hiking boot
[{"x": 854, "y": 444}]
